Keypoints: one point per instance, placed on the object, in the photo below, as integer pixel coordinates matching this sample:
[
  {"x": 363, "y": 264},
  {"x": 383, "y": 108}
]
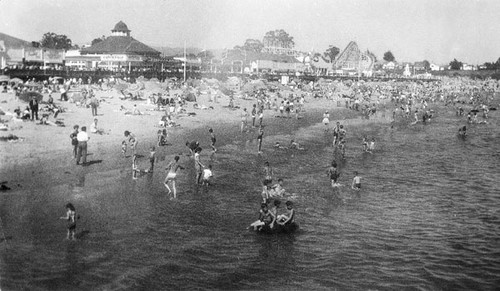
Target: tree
[
  {"x": 427, "y": 65},
  {"x": 331, "y": 53},
  {"x": 278, "y": 38},
  {"x": 205, "y": 55},
  {"x": 455, "y": 65},
  {"x": 389, "y": 57},
  {"x": 252, "y": 45},
  {"x": 56, "y": 41}
]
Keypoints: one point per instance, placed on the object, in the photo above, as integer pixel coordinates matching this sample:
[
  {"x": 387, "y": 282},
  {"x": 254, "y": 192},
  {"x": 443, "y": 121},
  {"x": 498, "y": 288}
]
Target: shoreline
[{"x": 23, "y": 161}]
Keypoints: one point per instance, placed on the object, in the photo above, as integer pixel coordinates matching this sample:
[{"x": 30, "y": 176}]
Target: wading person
[{"x": 172, "y": 175}]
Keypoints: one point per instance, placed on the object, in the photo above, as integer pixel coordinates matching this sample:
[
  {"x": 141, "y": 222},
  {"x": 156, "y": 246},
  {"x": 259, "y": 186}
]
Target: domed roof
[{"x": 120, "y": 26}]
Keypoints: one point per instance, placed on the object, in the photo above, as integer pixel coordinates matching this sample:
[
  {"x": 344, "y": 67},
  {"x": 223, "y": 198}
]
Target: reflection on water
[{"x": 427, "y": 217}]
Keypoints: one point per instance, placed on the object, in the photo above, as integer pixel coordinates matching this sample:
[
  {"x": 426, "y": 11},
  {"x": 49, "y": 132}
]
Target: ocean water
[{"x": 427, "y": 217}]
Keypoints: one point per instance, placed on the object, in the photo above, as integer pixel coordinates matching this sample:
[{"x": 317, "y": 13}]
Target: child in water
[
  {"x": 334, "y": 174},
  {"x": 124, "y": 148},
  {"x": 265, "y": 218},
  {"x": 207, "y": 175},
  {"x": 287, "y": 218},
  {"x": 356, "y": 181},
  {"x": 152, "y": 157},
  {"x": 71, "y": 218}
]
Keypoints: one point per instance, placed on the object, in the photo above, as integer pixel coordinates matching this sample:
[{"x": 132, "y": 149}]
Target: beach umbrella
[
  {"x": 27, "y": 96},
  {"x": 4, "y": 78}
]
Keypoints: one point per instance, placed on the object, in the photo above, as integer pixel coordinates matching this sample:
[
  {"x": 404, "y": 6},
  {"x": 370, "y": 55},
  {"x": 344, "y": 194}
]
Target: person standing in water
[
  {"x": 212, "y": 139},
  {"x": 326, "y": 120},
  {"x": 172, "y": 175},
  {"x": 244, "y": 116},
  {"x": 198, "y": 165},
  {"x": 356, "y": 182},
  {"x": 259, "y": 139},
  {"x": 71, "y": 218},
  {"x": 334, "y": 174}
]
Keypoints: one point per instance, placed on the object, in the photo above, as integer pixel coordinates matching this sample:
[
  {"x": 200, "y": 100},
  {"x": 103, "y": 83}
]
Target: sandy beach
[{"x": 46, "y": 149}]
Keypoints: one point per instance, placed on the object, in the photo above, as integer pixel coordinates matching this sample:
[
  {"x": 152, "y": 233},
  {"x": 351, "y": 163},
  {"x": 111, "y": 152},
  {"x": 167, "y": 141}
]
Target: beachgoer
[
  {"x": 192, "y": 146},
  {"x": 82, "y": 138},
  {"x": 261, "y": 115},
  {"x": 265, "y": 218},
  {"x": 244, "y": 116},
  {"x": 365, "y": 143},
  {"x": 326, "y": 120},
  {"x": 212, "y": 139},
  {"x": 33, "y": 104},
  {"x": 198, "y": 165},
  {"x": 152, "y": 158},
  {"x": 162, "y": 137},
  {"x": 260, "y": 136},
  {"x": 254, "y": 113},
  {"x": 94, "y": 129},
  {"x": 207, "y": 176},
  {"x": 277, "y": 189},
  {"x": 71, "y": 218},
  {"x": 94, "y": 103},
  {"x": 132, "y": 141},
  {"x": 356, "y": 181},
  {"x": 462, "y": 131},
  {"x": 371, "y": 146},
  {"x": 274, "y": 211},
  {"x": 289, "y": 217},
  {"x": 172, "y": 175},
  {"x": 74, "y": 140},
  {"x": 124, "y": 148},
  {"x": 334, "y": 174},
  {"x": 295, "y": 145}
]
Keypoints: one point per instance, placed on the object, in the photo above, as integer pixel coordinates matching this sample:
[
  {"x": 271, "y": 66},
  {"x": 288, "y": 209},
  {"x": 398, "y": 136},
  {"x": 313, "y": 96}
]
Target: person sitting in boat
[
  {"x": 265, "y": 218},
  {"x": 274, "y": 210},
  {"x": 277, "y": 189},
  {"x": 289, "y": 217}
]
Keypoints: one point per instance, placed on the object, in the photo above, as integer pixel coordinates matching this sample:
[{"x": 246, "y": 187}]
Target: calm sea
[{"x": 427, "y": 217}]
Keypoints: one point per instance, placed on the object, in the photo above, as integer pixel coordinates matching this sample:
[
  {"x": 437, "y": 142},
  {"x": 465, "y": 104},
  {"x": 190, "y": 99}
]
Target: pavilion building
[{"x": 119, "y": 51}]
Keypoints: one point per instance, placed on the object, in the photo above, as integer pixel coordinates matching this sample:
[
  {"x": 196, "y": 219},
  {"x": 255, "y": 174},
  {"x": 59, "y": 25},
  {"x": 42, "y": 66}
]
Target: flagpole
[{"x": 185, "y": 61}]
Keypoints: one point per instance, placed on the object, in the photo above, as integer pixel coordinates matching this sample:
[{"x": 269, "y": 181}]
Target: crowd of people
[{"x": 409, "y": 102}]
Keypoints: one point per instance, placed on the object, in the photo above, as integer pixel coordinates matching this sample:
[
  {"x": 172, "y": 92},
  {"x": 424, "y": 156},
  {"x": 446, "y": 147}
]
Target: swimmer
[
  {"x": 172, "y": 174},
  {"x": 295, "y": 145},
  {"x": 462, "y": 131}
]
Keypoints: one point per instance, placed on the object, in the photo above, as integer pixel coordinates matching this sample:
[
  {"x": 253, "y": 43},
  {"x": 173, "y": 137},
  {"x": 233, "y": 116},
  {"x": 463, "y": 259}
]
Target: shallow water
[{"x": 428, "y": 217}]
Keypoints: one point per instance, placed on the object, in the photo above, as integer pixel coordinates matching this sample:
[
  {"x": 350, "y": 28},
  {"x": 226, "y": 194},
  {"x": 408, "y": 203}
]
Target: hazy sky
[{"x": 414, "y": 30}]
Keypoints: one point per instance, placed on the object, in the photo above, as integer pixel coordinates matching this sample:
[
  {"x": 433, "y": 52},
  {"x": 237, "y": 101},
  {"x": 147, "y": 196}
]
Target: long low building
[{"x": 17, "y": 52}]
